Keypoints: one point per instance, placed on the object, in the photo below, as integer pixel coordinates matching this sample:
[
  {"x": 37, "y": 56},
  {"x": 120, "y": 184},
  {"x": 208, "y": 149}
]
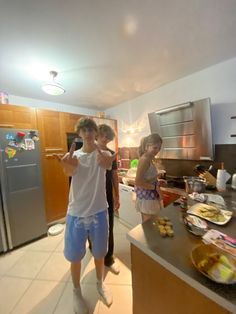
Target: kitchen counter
[{"x": 185, "y": 290}]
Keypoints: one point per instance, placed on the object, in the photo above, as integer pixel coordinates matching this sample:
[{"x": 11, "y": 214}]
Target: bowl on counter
[
  {"x": 214, "y": 263},
  {"x": 194, "y": 184}
]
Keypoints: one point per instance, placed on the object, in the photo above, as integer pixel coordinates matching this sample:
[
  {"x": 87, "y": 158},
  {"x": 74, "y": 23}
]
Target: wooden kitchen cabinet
[
  {"x": 70, "y": 120},
  {"x": 51, "y": 125},
  {"x": 17, "y": 117}
]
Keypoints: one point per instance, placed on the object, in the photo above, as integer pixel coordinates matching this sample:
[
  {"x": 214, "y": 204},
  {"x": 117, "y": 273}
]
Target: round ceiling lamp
[{"x": 51, "y": 87}]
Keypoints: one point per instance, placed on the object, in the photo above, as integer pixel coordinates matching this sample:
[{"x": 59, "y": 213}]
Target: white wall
[
  {"x": 217, "y": 82},
  {"x": 37, "y": 103}
]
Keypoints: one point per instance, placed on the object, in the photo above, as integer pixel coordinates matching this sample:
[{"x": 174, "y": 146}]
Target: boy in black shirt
[{"x": 106, "y": 135}]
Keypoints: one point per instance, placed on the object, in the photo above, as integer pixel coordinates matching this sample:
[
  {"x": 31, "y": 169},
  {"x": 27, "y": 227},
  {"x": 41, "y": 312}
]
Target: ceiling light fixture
[{"x": 51, "y": 87}]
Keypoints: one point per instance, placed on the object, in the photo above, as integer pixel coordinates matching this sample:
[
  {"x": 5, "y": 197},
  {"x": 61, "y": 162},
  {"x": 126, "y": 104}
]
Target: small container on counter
[{"x": 184, "y": 204}]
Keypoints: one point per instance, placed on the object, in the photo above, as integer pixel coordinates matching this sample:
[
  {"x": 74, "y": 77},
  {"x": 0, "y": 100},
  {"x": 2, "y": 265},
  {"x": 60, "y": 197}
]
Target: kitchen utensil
[
  {"x": 205, "y": 173},
  {"x": 194, "y": 184},
  {"x": 214, "y": 263}
]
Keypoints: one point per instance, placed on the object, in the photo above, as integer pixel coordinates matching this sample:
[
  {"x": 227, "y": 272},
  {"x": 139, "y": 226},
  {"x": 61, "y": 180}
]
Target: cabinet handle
[
  {"x": 53, "y": 155},
  {"x": 53, "y": 149}
]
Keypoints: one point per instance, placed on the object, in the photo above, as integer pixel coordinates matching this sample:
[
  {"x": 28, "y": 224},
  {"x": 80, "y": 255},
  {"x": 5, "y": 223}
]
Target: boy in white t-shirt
[{"x": 87, "y": 209}]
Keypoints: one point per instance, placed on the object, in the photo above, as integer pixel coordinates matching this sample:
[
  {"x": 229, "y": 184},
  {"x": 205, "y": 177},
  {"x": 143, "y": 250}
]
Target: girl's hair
[
  {"x": 84, "y": 123},
  {"x": 106, "y": 130},
  {"x": 151, "y": 139}
]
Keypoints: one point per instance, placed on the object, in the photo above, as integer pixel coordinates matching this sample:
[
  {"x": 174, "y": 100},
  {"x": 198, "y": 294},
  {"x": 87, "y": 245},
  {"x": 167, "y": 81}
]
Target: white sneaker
[
  {"x": 114, "y": 268},
  {"x": 79, "y": 304},
  {"x": 105, "y": 293}
]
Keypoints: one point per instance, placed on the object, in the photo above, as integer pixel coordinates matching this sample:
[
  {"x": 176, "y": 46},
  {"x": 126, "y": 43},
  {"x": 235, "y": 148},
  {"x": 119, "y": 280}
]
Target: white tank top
[{"x": 87, "y": 191}]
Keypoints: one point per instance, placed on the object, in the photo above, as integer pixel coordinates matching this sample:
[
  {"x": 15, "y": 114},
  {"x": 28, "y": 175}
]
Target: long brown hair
[{"x": 153, "y": 138}]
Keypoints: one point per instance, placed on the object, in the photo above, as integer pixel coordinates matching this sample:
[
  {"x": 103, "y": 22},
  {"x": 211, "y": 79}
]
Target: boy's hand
[
  {"x": 68, "y": 161},
  {"x": 104, "y": 160}
]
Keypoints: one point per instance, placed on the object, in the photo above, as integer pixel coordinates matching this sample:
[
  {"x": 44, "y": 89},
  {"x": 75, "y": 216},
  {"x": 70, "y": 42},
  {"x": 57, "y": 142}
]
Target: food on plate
[
  {"x": 218, "y": 267},
  {"x": 212, "y": 213}
]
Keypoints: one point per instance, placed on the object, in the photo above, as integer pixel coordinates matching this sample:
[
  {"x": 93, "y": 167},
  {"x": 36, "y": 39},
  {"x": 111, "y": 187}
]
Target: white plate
[{"x": 195, "y": 210}]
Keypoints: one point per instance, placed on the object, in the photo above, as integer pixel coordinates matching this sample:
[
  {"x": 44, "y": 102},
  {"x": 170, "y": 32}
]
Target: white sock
[
  {"x": 104, "y": 292},
  {"x": 79, "y": 304}
]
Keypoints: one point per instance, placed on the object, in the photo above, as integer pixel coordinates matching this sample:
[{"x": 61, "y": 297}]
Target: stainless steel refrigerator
[{"x": 22, "y": 212}]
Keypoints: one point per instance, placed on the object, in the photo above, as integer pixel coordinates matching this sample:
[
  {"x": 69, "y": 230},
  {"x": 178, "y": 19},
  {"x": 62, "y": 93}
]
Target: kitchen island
[{"x": 163, "y": 276}]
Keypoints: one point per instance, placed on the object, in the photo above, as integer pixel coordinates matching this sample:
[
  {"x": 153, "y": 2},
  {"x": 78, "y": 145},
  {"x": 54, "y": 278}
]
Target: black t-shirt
[{"x": 109, "y": 181}]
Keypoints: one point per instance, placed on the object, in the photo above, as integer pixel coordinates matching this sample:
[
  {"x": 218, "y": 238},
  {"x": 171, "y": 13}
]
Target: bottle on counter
[{"x": 221, "y": 179}]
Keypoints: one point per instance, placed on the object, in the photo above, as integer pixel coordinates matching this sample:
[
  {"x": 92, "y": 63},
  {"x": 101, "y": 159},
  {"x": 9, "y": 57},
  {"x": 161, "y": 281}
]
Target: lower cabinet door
[{"x": 56, "y": 186}]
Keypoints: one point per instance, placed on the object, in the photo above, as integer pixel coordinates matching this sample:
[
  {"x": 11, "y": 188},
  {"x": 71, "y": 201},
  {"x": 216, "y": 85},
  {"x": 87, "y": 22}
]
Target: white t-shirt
[{"x": 87, "y": 191}]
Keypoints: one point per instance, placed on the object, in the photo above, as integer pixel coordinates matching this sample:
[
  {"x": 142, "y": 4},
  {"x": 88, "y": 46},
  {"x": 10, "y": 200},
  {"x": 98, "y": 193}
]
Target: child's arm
[
  {"x": 105, "y": 159},
  {"x": 69, "y": 162}
]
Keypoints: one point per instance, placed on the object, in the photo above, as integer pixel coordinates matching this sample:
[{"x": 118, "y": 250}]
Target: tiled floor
[{"x": 36, "y": 279}]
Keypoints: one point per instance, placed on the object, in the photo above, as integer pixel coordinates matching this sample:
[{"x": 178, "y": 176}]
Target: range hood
[{"x": 185, "y": 130}]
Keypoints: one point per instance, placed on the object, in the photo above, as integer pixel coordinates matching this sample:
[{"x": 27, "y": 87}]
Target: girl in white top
[{"x": 148, "y": 196}]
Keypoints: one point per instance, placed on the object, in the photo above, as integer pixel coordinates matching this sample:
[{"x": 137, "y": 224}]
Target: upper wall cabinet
[
  {"x": 70, "y": 120},
  {"x": 52, "y": 128},
  {"x": 17, "y": 117}
]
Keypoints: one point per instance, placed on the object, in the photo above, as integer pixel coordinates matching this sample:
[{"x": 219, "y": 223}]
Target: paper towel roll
[{"x": 220, "y": 180}]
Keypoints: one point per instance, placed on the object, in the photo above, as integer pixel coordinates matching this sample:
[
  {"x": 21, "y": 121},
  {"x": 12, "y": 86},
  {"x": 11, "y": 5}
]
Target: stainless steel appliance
[
  {"x": 22, "y": 212},
  {"x": 185, "y": 130}
]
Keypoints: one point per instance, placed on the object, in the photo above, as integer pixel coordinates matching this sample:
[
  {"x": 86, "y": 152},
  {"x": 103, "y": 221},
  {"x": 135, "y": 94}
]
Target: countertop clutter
[{"x": 169, "y": 281}]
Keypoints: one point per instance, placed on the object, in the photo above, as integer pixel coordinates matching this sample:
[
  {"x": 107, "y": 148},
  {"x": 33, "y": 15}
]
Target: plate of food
[
  {"x": 212, "y": 213},
  {"x": 214, "y": 263}
]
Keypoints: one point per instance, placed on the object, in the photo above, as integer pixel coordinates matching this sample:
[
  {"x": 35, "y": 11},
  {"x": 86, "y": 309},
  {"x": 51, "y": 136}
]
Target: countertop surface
[{"x": 174, "y": 253}]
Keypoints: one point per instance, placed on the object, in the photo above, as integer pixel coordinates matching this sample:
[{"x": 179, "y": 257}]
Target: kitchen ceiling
[{"x": 110, "y": 51}]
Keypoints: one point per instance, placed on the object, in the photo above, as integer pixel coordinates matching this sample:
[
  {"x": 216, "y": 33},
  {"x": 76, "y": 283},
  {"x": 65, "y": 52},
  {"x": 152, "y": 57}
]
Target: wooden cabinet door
[
  {"x": 52, "y": 130},
  {"x": 56, "y": 186},
  {"x": 70, "y": 120},
  {"x": 17, "y": 117},
  {"x": 53, "y": 141}
]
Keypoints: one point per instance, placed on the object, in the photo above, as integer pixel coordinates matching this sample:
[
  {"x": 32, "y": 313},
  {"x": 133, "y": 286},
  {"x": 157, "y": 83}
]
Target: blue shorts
[{"x": 79, "y": 229}]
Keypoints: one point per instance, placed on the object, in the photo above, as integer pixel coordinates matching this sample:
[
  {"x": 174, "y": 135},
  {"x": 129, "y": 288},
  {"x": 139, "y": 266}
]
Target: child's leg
[
  {"x": 99, "y": 236},
  {"x": 75, "y": 239},
  {"x": 75, "y": 268},
  {"x": 99, "y": 264}
]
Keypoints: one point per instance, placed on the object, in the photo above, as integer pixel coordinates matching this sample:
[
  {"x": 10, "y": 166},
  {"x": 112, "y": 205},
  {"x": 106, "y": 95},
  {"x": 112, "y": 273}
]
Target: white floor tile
[
  {"x": 65, "y": 305},
  {"x": 44, "y": 283},
  {"x": 41, "y": 297},
  {"x": 47, "y": 244},
  {"x": 57, "y": 268},
  {"x": 123, "y": 278},
  {"x": 7, "y": 260},
  {"x": 60, "y": 246},
  {"x": 29, "y": 264},
  {"x": 12, "y": 290},
  {"x": 122, "y": 301}
]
